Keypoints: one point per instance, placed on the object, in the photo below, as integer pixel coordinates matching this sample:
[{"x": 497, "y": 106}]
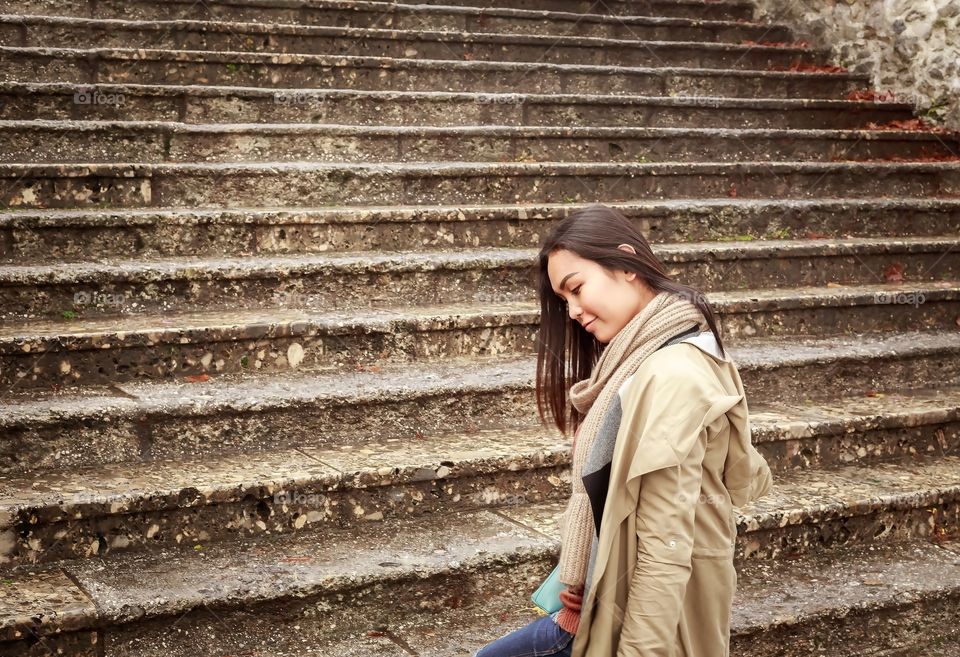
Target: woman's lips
[{"x": 587, "y": 325}]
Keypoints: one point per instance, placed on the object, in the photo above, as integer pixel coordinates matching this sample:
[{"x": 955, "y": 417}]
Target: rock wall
[{"x": 910, "y": 47}]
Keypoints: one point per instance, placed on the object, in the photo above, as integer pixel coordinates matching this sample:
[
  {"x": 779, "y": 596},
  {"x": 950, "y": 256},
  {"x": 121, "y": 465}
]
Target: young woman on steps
[{"x": 661, "y": 451}]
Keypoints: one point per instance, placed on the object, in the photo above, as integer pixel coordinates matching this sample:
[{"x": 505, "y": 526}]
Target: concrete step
[
  {"x": 47, "y": 236},
  {"x": 445, "y": 585},
  {"x": 220, "y": 104},
  {"x": 614, "y": 18},
  {"x": 147, "y": 66},
  {"x": 135, "y": 141},
  {"x": 387, "y": 280},
  {"x": 265, "y": 411},
  {"x": 310, "y": 184},
  {"x": 84, "y": 352},
  {"x": 654, "y": 42},
  {"x": 735, "y": 10},
  {"x": 107, "y": 510}
]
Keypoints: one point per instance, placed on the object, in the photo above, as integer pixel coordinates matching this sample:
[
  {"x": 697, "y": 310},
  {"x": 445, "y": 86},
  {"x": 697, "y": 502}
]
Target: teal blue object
[{"x": 547, "y": 597}]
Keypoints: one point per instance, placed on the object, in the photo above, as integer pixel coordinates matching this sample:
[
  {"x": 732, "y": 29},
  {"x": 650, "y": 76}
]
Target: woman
[{"x": 661, "y": 452}]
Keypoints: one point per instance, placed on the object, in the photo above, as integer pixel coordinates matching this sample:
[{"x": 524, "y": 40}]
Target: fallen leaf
[
  {"x": 870, "y": 95},
  {"x": 802, "y": 67},
  {"x": 894, "y": 273},
  {"x": 910, "y": 125},
  {"x": 197, "y": 378}
]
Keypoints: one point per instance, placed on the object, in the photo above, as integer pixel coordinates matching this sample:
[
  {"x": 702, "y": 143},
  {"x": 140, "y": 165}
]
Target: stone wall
[{"x": 910, "y": 47}]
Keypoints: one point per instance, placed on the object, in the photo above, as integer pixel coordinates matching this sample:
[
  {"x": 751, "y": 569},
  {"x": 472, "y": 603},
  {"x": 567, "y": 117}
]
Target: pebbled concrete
[
  {"x": 113, "y": 287},
  {"x": 62, "y": 141},
  {"x": 29, "y": 186},
  {"x": 96, "y": 351},
  {"x": 43, "y": 236},
  {"x": 157, "y": 66},
  {"x": 523, "y": 16},
  {"x": 178, "y": 418},
  {"x": 222, "y": 103},
  {"x": 660, "y": 42}
]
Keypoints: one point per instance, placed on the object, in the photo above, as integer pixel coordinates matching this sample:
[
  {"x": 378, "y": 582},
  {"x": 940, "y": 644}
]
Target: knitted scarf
[{"x": 663, "y": 317}]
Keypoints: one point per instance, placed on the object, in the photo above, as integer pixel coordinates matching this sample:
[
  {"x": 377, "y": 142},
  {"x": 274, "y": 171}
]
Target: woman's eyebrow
[{"x": 564, "y": 281}]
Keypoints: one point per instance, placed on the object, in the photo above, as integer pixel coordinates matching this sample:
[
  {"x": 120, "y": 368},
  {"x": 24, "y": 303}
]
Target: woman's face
[{"x": 602, "y": 302}]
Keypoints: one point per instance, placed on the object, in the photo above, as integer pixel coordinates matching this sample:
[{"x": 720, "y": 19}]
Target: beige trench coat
[{"x": 664, "y": 580}]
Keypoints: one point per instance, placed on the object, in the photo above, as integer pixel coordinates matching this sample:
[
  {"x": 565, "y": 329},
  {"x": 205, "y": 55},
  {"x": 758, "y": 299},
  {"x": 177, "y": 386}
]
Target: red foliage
[
  {"x": 197, "y": 378},
  {"x": 873, "y": 96},
  {"x": 802, "y": 67},
  {"x": 926, "y": 157},
  {"x": 894, "y": 273},
  {"x": 923, "y": 156},
  {"x": 912, "y": 125}
]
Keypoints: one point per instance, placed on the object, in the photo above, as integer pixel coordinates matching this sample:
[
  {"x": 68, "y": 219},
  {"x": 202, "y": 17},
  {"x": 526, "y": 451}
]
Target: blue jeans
[{"x": 539, "y": 638}]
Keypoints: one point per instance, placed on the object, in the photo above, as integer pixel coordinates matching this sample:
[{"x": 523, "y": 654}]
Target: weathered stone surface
[
  {"x": 142, "y": 507},
  {"x": 232, "y": 185},
  {"x": 88, "y": 351},
  {"x": 239, "y": 413},
  {"x": 45, "y": 236},
  {"x": 209, "y": 104},
  {"x": 660, "y": 42},
  {"x": 63, "y": 141},
  {"x": 41, "y": 604},
  {"x": 614, "y": 18},
  {"x": 469, "y": 583},
  {"x": 319, "y": 282},
  {"x": 911, "y": 48},
  {"x": 305, "y": 71},
  {"x": 291, "y": 410}
]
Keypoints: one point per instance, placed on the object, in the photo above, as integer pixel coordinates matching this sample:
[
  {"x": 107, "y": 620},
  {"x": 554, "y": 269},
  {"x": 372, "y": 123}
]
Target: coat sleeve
[
  {"x": 683, "y": 404},
  {"x": 665, "y": 533}
]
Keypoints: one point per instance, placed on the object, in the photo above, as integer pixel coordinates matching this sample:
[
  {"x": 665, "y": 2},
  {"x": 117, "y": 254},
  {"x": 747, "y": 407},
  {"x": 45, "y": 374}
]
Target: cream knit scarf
[{"x": 663, "y": 317}]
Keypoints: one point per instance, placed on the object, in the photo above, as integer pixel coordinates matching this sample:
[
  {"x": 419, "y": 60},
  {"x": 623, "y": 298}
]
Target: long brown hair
[{"x": 566, "y": 353}]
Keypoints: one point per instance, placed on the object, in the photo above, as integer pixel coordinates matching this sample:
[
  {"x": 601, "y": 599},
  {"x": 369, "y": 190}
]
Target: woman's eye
[{"x": 577, "y": 289}]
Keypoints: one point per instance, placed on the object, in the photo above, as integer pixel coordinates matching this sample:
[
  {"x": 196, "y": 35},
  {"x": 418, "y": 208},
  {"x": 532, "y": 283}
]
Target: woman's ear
[{"x": 630, "y": 275}]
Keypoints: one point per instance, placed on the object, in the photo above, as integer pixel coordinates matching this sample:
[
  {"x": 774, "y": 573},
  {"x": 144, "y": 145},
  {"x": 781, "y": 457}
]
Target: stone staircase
[{"x": 267, "y": 339}]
